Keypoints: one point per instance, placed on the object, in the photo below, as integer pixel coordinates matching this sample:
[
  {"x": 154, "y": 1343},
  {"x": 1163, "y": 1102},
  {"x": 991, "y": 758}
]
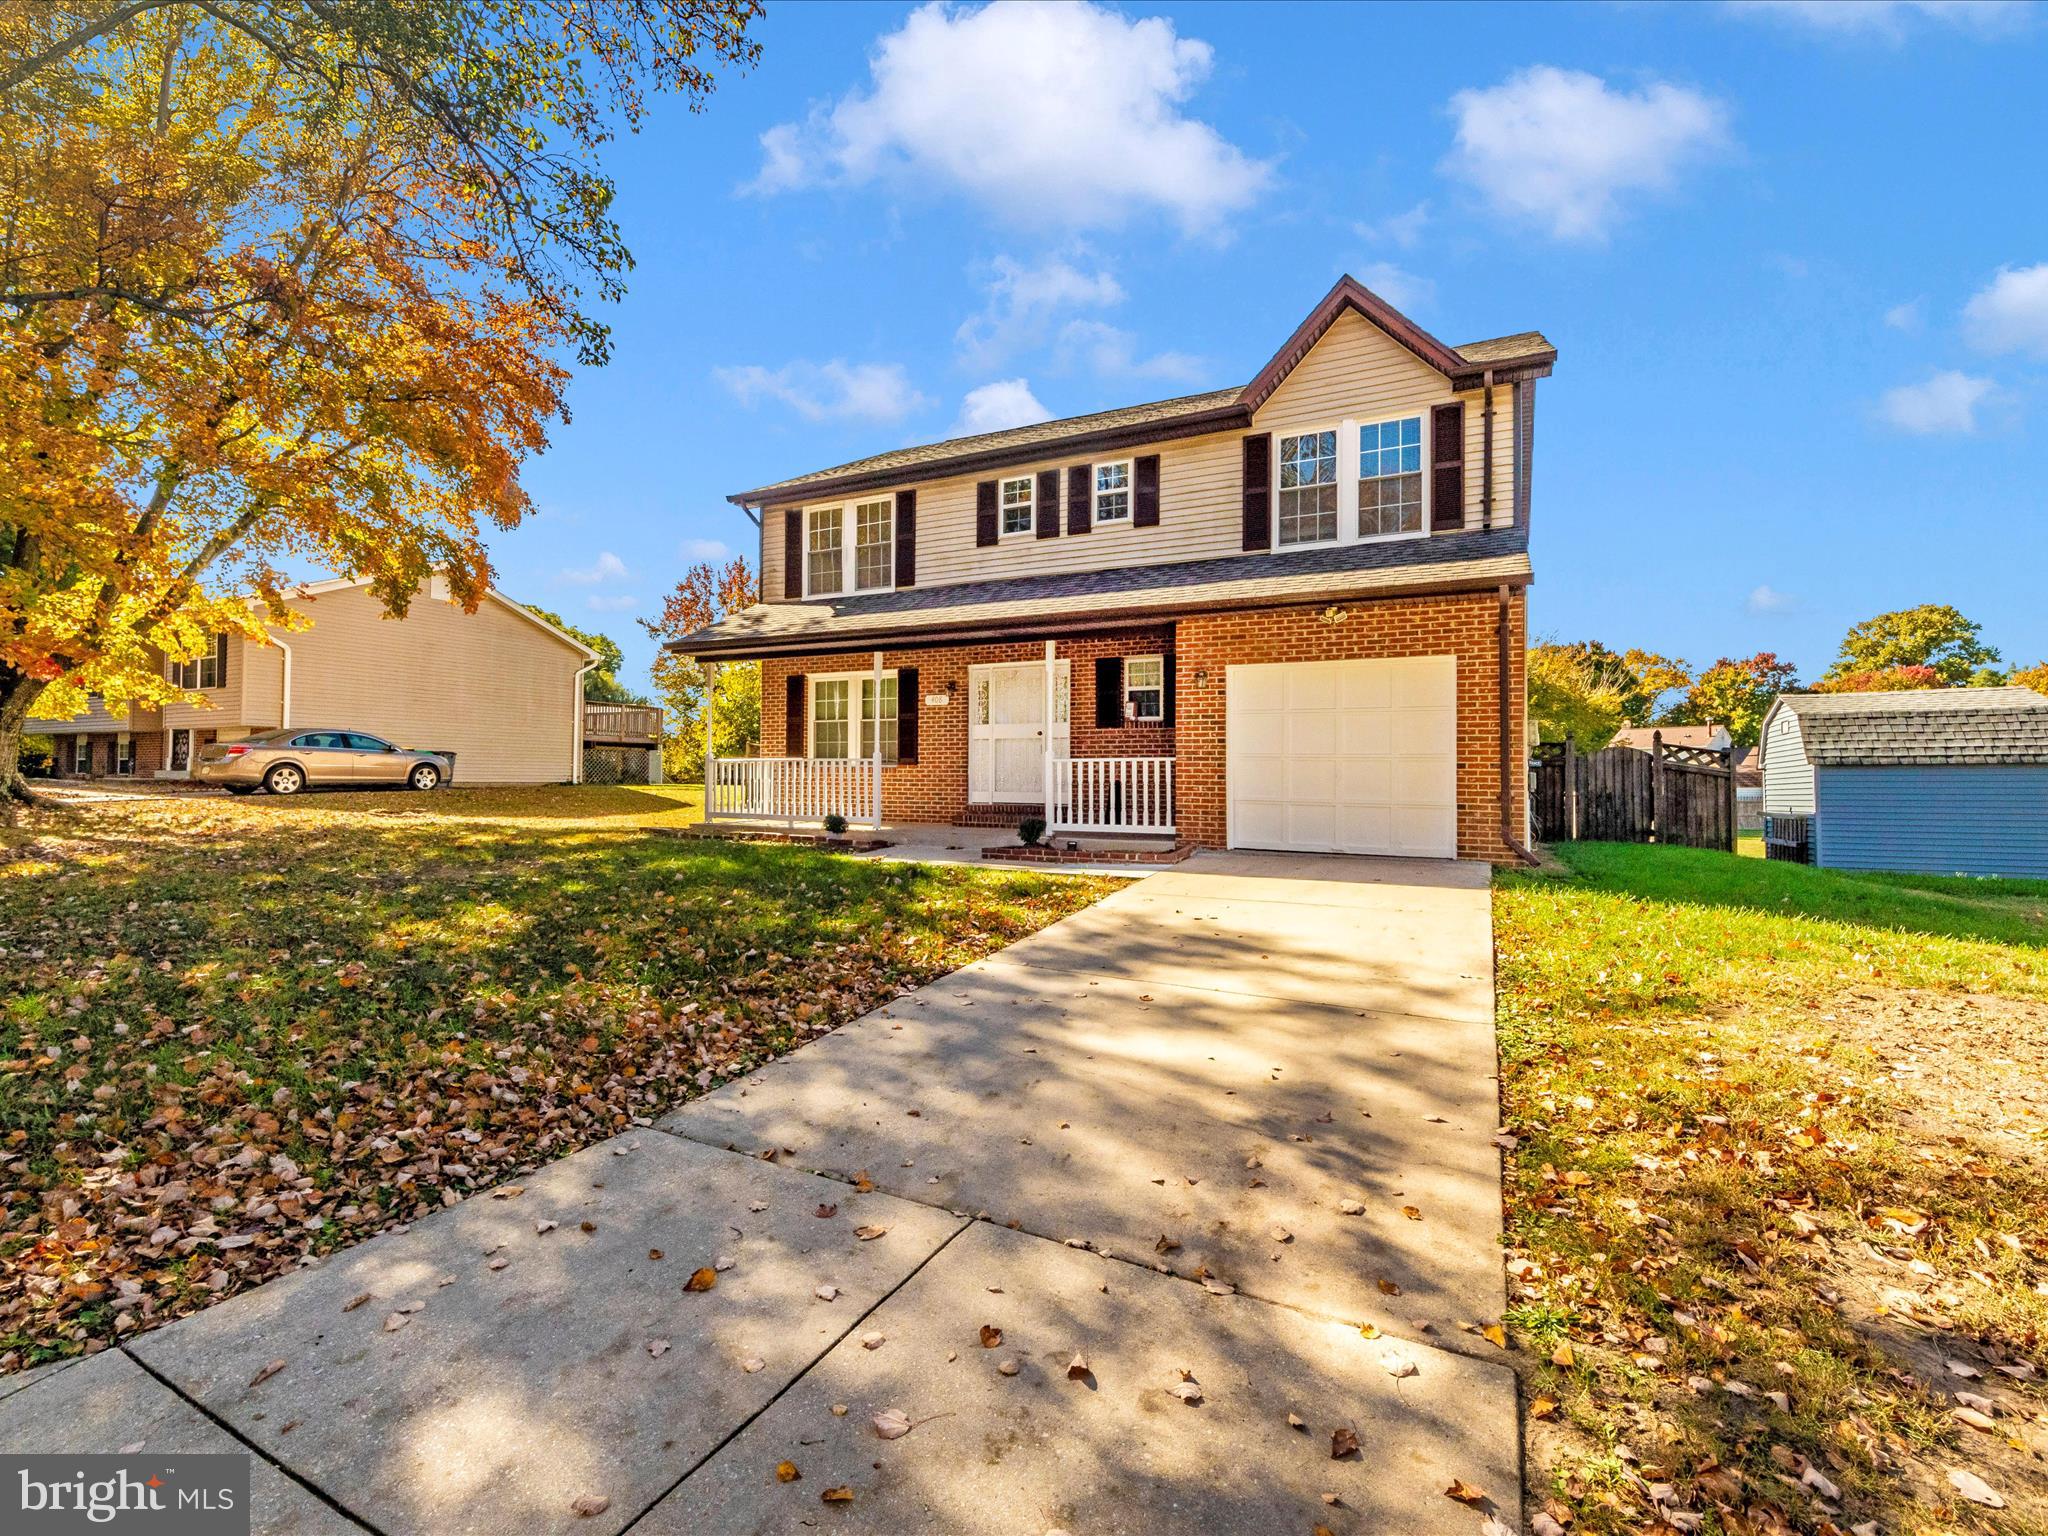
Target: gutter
[{"x": 1508, "y": 829}]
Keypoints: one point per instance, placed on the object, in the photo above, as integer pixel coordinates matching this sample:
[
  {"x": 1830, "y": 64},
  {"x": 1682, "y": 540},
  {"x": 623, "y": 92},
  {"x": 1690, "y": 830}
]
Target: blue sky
[{"x": 1794, "y": 259}]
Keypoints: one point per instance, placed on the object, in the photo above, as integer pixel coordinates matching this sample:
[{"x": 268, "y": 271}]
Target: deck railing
[
  {"x": 621, "y": 723},
  {"x": 1111, "y": 794},
  {"x": 793, "y": 790}
]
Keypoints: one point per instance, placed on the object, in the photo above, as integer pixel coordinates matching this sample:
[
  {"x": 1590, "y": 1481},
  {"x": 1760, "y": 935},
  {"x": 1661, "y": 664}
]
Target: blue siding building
[{"x": 1937, "y": 781}]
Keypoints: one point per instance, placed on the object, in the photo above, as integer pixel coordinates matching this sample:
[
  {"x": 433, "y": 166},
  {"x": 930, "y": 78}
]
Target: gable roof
[
  {"x": 1526, "y": 354},
  {"x": 1919, "y": 726}
]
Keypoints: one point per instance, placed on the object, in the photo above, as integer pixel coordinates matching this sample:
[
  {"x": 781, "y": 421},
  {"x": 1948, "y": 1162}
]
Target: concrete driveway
[{"x": 1215, "y": 1123}]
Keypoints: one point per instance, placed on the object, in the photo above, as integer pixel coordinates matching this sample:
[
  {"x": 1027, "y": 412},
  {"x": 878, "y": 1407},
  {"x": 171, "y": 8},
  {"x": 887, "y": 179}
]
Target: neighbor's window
[
  {"x": 827, "y": 567},
  {"x": 1308, "y": 488},
  {"x": 1017, "y": 507},
  {"x": 1390, "y": 477},
  {"x": 1145, "y": 686},
  {"x": 208, "y": 671},
  {"x": 124, "y": 753},
  {"x": 874, "y": 545},
  {"x": 81, "y": 754},
  {"x": 829, "y": 726},
  {"x": 1113, "y": 492}
]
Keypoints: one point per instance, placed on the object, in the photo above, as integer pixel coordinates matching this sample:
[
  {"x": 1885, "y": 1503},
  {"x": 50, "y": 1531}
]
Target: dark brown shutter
[
  {"x": 906, "y": 538},
  {"x": 985, "y": 513},
  {"x": 1109, "y": 691},
  {"x": 1080, "y": 494},
  {"x": 220, "y": 660},
  {"x": 1145, "y": 498},
  {"x": 1166, "y": 704},
  {"x": 1258, "y": 491},
  {"x": 1447, "y": 467},
  {"x": 1048, "y": 504},
  {"x": 793, "y": 716},
  {"x": 906, "y": 714},
  {"x": 793, "y": 555}
]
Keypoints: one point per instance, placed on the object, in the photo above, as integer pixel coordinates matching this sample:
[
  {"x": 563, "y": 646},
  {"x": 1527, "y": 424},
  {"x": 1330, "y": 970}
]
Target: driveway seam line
[
  {"x": 744, "y": 1424},
  {"x": 255, "y": 1450},
  {"x": 1186, "y": 986}
]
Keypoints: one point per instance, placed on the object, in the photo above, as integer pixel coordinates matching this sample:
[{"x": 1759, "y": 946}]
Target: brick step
[{"x": 997, "y": 815}]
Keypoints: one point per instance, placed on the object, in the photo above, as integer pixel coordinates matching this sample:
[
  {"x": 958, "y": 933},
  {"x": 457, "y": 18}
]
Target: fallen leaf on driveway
[
  {"x": 1465, "y": 1493},
  {"x": 1077, "y": 1368},
  {"x": 991, "y": 1336},
  {"x": 786, "y": 1472},
  {"x": 701, "y": 1279},
  {"x": 541, "y": 1229},
  {"x": 1411, "y": 1213},
  {"x": 868, "y": 1234},
  {"x": 395, "y": 1321},
  {"x": 1974, "y": 1488},
  {"x": 873, "y": 1340},
  {"x": 1007, "y": 1368},
  {"x": 752, "y": 1364},
  {"x": 589, "y": 1504},
  {"x": 827, "y": 1293},
  {"x": 1388, "y": 1288},
  {"x": 1296, "y": 1421},
  {"x": 1542, "y": 1408},
  {"x": 266, "y": 1373},
  {"x": 355, "y": 1301},
  {"x": 1351, "y": 1207},
  {"x": 892, "y": 1424},
  {"x": 1495, "y": 1335},
  {"x": 1343, "y": 1442},
  {"x": 1281, "y": 1235},
  {"x": 1187, "y": 1391},
  {"x": 1397, "y": 1364},
  {"x": 827, "y": 1211},
  {"x": 657, "y": 1347},
  {"x": 840, "y": 1495}
]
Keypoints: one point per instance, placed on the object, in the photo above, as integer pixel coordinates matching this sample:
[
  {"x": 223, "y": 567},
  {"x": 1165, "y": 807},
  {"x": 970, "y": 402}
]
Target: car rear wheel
[
  {"x": 424, "y": 776},
  {"x": 284, "y": 779}
]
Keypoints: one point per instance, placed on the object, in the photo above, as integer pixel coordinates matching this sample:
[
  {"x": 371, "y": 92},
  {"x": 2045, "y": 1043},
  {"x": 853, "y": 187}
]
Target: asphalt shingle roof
[
  {"x": 1468, "y": 559},
  {"x": 1922, "y": 726}
]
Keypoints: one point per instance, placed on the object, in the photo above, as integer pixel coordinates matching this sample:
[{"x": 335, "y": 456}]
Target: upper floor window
[
  {"x": 1308, "y": 488},
  {"x": 874, "y": 545},
  {"x": 1145, "y": 687},
  {"x": 1113, "y": 492},
  {"x": 1390, "y": 477},
  {"x": 825, "y": 552},
  {"x": 208, "y": 671},
  {"x": 1018, "y": 510}
]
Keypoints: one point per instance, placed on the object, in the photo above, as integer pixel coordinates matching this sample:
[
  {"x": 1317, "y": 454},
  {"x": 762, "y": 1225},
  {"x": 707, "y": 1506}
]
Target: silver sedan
[{"x": 285, "y": 762}]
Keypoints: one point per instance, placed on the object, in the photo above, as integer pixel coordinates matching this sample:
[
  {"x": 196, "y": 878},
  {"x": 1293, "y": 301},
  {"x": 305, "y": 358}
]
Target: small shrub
[
  {"x": 835, "y": 823},
  {"x": 1030, "y": 830}
]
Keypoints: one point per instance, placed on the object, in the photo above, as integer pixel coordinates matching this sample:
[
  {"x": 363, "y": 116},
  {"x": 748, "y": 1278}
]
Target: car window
[
  {"x": 328, "y": 739},
  {"x": 364, "y": 743}
]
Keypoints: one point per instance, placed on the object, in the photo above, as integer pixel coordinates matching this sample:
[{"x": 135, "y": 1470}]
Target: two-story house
[
  {"x": 501, "y": 688},
  {"x": 1289, "y": 615}
]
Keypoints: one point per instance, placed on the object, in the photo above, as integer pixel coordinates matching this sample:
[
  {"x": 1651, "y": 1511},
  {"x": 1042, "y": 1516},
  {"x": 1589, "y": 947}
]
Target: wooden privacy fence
[{"x": 1670, "y": 794}]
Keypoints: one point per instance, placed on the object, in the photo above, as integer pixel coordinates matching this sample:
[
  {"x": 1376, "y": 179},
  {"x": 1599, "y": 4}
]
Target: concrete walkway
[{"x": 1215, "y": 1123}]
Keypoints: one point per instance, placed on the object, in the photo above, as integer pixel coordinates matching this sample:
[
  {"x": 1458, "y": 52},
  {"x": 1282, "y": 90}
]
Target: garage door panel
[{"x": 1352, "y": 756}]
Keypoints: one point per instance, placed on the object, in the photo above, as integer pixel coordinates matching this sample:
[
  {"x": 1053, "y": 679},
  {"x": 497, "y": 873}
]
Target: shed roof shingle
[{"x": 1922, "y": 726}]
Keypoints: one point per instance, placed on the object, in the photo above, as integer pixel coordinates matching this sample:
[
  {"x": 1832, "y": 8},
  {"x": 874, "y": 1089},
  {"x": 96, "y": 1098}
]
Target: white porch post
[
  {"x": 876, "y": 816},
  {"x": 710, "y": 760},
  {"x": 1051, "y": 672}
]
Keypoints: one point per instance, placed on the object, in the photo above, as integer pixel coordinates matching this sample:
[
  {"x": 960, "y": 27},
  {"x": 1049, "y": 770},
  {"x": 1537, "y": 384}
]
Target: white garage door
[{"x": 1345, "y": 756}]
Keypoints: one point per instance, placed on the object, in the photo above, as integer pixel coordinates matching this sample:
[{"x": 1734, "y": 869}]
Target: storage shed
[{"x": 1939, "y": 780}]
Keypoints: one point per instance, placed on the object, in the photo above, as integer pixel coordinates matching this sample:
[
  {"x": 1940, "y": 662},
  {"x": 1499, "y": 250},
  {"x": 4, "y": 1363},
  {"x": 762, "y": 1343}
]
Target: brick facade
[{"x": 934, "y": 789}]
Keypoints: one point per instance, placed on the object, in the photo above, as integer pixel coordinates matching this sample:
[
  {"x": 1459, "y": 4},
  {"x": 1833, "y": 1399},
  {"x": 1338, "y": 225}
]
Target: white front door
[{"x": 1006, "y": 731}]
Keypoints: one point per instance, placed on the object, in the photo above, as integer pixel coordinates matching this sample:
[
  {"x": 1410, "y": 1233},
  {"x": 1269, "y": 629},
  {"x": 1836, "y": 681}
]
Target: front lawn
[
  {"x": 235, "y": 1033},
  {"x": 1778, "y": 1212}
]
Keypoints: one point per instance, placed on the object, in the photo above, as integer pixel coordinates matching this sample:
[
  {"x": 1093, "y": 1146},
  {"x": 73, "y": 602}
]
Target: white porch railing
[
  {"x": 1110, "y": 794},
  {"x": 794, "y": 789}
]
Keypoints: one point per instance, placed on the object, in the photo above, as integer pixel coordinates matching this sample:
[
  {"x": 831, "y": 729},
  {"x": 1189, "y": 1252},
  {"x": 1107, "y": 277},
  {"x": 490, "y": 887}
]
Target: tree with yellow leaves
[{"x": 291, "y": 284}]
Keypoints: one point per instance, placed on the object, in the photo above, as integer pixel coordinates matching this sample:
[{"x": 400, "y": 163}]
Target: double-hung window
[
  {"x": 208, "y": 671},
  {"x": 1113, "y": 492},
  {"x": 1308, "y": 488},
  {"x": 81, "y": 753},
  {"x": 1390, "y": 477},
  {"x": 874, "y": 545},
  {"x": 1145, "y": 687},
  {"x": 825, "y": 549},
  {"x": 1018, "y": 510},
  {"x": 124, "y": 753},
  {"x": 837, "y": 732}
]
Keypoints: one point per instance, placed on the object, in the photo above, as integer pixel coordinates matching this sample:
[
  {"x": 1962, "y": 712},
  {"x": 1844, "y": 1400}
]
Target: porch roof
[{"x": 1126, "y": 595}]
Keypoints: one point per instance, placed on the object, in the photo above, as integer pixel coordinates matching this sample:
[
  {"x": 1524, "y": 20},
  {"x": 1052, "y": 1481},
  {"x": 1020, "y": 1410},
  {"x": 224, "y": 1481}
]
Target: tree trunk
[{"x": 18, "y": 694}]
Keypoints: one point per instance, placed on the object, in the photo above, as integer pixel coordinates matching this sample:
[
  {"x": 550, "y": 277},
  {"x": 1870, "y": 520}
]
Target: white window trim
[
  {"x": 1131, "y": 715},
  {"x": 81, "y": 752},
  {"x": 1347, "y": 431},
  {"x": 1030, "y": 528},
  {"x": 124, "y": 746},
  {"x": 1355, "y": 428},
  {"x": 856, "y": 717},
  {"x": 848, "y": 515},
  {"x": 1096, "y": 493}
]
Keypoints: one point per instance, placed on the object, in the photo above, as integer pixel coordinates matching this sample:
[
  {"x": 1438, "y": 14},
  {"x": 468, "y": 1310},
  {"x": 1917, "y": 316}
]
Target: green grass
[
  {"x": 1695, "y": 1059},
  {"x": 314, "y": 1017}
]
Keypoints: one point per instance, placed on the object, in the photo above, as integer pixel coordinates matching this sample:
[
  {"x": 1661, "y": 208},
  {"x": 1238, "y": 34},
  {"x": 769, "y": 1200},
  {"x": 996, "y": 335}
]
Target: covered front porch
[{"x": 1076, "y": 732}]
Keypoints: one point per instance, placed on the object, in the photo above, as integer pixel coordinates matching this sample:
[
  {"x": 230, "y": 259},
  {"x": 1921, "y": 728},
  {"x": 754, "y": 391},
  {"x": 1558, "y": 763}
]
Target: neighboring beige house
[
  {"x": 501, "y": 688},
  {"x": 1712, "y": 737}
]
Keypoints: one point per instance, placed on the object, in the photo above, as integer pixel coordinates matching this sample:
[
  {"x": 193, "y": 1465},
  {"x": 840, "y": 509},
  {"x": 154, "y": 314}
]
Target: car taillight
[{"x": 237, "y": 750}]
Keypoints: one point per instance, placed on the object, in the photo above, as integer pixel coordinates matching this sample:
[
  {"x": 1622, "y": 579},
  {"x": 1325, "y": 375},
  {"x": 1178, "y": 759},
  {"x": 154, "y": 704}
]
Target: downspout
[
  {"x": 1509, "y": 832},
  {"x": 576, "y": 736},
  {"x": 284, "y": 703},
  {"x": 1486, "y": 456}
]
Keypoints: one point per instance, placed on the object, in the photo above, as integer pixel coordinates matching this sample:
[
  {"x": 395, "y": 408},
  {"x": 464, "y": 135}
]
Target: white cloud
[
  {"x": 1400, "y": 229},
  {"x": 2011, "y": 314},
  {"x": 705, "y": 549},
  {"x": 1024, "y": 301},
  {"x": 1559, "y": 148},
  {"x": 815, "y": 391},
  {"x": 1887, "y": 20},
  {"x": 1112, "y": 353},
  {"x": 993, "y": 407},
  {"x": 617, "y": 603},
  {"x": 606, "y": 567},
  {"x": 1062, "y": 112},
  {"x": 1398, "y": 286},
  {"x": 1946, "y": 402},
  {"x": 1768, "y": 599},
  {"x": 1904, "y": 317}
]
